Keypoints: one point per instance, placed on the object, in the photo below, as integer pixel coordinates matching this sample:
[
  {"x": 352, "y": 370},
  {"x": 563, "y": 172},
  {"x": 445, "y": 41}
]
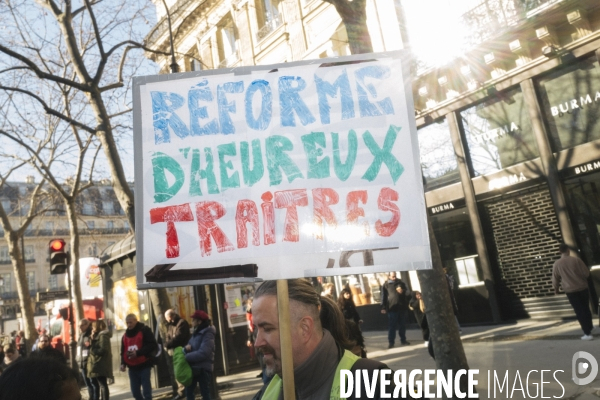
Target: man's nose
[{"x": 259, "y": 341}]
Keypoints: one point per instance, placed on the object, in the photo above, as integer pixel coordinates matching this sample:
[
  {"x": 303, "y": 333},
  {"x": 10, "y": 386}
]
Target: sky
[{"x": 435, "y": 35}]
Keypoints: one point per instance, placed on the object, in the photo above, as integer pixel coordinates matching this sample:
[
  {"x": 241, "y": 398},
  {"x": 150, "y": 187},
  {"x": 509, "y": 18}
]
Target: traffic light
[{"x": 59, "y": 259}]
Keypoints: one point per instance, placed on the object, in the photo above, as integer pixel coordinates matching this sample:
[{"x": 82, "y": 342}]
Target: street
[{"x": 525, "y": 346}]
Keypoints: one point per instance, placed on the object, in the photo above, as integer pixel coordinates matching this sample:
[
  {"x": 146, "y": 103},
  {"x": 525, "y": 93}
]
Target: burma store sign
[{"x": 274, "y": 172}]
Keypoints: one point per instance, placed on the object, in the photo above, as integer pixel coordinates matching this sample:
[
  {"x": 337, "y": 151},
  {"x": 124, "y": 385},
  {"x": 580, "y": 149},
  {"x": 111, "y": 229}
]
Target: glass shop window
[
  {"x": 583, "y": 195},
  {"x": 456, "y": 243},
  {"x": 498, "y": 132},
  {"x": 570, "y": 99},
  {"x": 438, "y": 160}
]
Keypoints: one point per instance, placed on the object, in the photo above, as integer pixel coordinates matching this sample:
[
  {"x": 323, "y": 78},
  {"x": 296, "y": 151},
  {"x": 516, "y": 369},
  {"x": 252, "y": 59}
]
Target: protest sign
[{"x": 276, "y": 172}]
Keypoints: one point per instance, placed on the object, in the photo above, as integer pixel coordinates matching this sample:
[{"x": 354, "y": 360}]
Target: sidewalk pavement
[{"x": 520, "y": 347}]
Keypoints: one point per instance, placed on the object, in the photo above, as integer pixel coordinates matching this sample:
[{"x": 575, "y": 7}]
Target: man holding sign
[{"x": 318, "y": 338}]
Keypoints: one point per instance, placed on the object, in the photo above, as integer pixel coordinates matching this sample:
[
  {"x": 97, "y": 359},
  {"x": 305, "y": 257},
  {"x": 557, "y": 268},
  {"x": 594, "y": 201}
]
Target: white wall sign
[{"x": 284, "y": 166}]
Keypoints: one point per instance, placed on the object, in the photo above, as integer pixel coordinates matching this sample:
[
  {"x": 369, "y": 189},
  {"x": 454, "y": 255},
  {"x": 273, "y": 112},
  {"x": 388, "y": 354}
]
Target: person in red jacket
[{"x": 137, "y": 345}]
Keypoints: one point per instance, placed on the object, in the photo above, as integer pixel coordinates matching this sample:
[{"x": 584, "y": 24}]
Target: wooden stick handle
[{"x": 285, "y": 340}]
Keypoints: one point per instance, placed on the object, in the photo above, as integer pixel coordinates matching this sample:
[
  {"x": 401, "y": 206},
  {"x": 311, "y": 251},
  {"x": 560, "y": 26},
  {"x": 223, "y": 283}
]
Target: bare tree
[
  {"x": 15, "y": 218},
  {"x": 84, "y": 49},
  {"x": 51, "y": 152}
]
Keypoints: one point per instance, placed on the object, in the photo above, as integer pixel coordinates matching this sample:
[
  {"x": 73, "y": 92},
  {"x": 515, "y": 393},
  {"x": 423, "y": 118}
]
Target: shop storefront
[{"x": 511, "y": 190}]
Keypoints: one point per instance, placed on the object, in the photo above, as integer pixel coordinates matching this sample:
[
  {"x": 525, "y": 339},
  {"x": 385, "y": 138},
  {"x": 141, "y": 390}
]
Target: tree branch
[
  {"x": 49, "y": 110},
  {"x": 41, "y": 74}
]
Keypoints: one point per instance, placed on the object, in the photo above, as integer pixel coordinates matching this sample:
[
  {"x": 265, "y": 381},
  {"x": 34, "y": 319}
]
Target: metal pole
[
  {"x": 174, "y": 66},
  {"x": 72, "y": 343}
]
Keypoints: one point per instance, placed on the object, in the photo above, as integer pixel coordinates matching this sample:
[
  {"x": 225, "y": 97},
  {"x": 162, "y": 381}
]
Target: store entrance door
[{"x": 523, "y": 230}]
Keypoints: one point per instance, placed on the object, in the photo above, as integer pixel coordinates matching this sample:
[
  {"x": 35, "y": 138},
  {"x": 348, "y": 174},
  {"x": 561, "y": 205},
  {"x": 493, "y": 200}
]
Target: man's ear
[{"x": 306, "y": 325}]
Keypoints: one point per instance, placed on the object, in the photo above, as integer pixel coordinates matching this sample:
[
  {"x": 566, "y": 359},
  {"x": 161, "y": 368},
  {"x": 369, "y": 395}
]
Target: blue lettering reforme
[
  {"x": 368, "y": 109},
  {"x": 163, "y": 116},
  {"x": 290, "y": 101},
  {"x": 324, "y": 89},
  {"x": 266, "y": 105},
  {"x": 197, "y": 93},
  {"x": 226, "y": 107}
]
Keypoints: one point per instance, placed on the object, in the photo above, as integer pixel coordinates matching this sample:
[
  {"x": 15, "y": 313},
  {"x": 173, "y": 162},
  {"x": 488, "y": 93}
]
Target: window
[
  {"x": 110, "y": 224},
  {"x": 583, "y": 193},
  {"x": 29, "y": 253},
  {"x": 88, "y": 208},
  {"x": 126, "y": 225},
  {"x": 227, "y": 43},
  {"x": 571, "y": 102},
  {"x": 438, "y": 160},
  {"x": 31, "y": 280},
  {"x": 108, "y": 207},
  {"x": 498, "y": 133},
  {"x": 4, "y": 256},
  {"x": 7, "y": 206},
  {"x": 269, "y": 18},
  {"x": 456, "y": 243},
  {"x": 5, "y": 284},
  {"x": 91, "y": 224},
  {"x": 53, "y": 282},
  {"x": 50, "y": 226},
  {"x": 93, "y": 250}
]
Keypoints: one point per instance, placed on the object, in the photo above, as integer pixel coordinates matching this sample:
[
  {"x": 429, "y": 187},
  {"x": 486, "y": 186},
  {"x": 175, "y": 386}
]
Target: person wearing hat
[{"x": 200, "y": 354}]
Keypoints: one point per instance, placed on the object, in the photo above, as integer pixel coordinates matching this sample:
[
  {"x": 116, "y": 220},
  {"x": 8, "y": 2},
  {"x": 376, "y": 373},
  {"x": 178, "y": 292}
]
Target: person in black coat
[
  {"x": 348, "y": 307},
  {"x": 45, "y": 350},
  {"x": 394, "y": 303},
  {"x": 178, "y": 335}
]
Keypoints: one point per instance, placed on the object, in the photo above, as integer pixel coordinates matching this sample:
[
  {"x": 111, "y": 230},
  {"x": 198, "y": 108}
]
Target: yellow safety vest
[{"x": 347, "y": 361}]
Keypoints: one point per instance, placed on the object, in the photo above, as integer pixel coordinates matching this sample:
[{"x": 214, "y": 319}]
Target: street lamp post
[{"x": 174, "y": 66}]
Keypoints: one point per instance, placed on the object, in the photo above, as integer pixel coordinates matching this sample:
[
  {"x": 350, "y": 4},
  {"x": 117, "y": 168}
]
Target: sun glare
[{"x": 434, "y": 27}]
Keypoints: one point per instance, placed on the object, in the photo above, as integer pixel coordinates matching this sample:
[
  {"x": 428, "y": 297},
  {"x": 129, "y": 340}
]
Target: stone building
[
  {"x": 101, "y": 221},
  {"x": 508, "y": 131}
]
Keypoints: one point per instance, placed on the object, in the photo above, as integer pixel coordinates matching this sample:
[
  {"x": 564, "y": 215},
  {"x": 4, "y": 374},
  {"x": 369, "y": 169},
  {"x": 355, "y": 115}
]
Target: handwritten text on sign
[{"x": 271, "y": 164}]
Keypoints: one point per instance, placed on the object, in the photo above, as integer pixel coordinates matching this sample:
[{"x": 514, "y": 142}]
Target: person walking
[
  {"x": 137, "y": 345},
  {"x": 572, "y": 274},
  {"x": 99, "y": 365},
  {"x": 83, "y": 352},
  {"x": 45, "y": 350},
  {"x": 178, "y": 335},
  {"x": 418, "y": 306},
  {"x": 394, "y": 303},
  {"x": 200, "y": 354}
]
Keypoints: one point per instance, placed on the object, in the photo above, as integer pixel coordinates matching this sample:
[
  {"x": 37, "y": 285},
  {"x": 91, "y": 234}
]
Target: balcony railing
[
  {"x": 492, "y": 17},
  {"x": 272, "y": 24}
]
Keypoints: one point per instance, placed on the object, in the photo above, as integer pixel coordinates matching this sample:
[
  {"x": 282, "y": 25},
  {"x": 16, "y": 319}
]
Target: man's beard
[{"x": 274, "y": 365}]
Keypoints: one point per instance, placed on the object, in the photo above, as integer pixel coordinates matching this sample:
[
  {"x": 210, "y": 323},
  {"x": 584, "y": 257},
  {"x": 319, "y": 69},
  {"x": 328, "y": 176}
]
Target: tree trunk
[
  {"x": 354, "y": 17},
  {"x": 25, "y": 300},
  {"x": 75, "y": 276},
  {"x": 447, "y": 345}
]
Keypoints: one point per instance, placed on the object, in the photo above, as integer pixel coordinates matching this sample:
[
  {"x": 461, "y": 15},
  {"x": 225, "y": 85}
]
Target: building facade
[
  {"x": 508, "y": 132},
  {"x": 510, "y": 148},
  {"x": 224, "y": 34},
  {"x": 101, "y": 221}
]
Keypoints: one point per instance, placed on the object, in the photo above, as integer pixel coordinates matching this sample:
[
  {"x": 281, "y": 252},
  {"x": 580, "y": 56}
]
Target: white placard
[{"x": 287, "y": 168}]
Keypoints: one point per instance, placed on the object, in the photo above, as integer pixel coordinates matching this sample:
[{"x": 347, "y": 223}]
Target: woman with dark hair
[
  {"x": 348, "y": 307},
  {"x": 39, "y": 378},
  {"x": 99, "y": 364}
]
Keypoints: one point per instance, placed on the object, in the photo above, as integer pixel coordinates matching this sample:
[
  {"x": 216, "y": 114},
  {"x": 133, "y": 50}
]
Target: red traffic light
[{"x": 57, "y": 245}]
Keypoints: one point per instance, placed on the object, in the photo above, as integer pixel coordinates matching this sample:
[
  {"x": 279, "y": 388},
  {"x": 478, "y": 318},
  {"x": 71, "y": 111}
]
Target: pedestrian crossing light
[{"x": 59, "y": 259}]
